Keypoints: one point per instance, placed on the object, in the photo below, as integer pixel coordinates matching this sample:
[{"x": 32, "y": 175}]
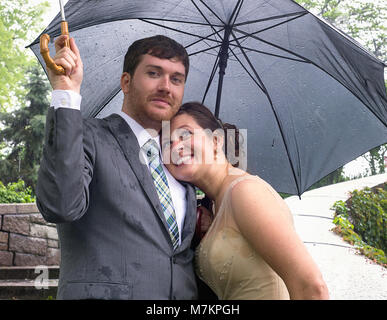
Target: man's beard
[{"x": 140, "y": 104}]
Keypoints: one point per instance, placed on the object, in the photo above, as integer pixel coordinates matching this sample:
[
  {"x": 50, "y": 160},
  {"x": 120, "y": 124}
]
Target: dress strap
[
  {"x": 237, "y": 180},
  {"x": 233, "y": 183}
]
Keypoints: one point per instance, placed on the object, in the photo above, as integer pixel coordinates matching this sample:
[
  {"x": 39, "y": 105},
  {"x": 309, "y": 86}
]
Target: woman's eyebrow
[{"x": 185, "y": 126}]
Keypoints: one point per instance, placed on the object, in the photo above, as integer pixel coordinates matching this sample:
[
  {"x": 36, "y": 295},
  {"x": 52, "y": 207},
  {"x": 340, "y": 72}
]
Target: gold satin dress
[{"x": 230, "y": 266}]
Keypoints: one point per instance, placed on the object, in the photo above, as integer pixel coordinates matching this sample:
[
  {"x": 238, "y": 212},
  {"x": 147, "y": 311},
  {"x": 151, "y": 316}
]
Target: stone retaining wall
[{"x": 26, "y": 239}]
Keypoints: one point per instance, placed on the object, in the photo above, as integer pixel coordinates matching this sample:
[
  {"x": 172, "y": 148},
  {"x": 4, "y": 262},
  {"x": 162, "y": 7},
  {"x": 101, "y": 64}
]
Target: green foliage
[
  {"x": 23, "y": 132},
  {"x": 345, "y": 229},
  {"x": 361, "y": 19},
  {"x": 340, "y": 208},
  {"x": 368, "y": 211},
  {"x": 199, "y": 193},
  {"x": 284, "y": 195},
  {"x": 332, "y": 178},
  {"x": 18, "y": 19},
  {"x": 362, "y": 221},
  {"x": 15, "y": 192},
  {"x": 375, "y": 159}
]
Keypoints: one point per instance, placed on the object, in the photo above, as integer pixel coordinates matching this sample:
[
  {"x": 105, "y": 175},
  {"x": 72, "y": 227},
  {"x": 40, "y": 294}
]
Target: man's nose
[{"x": 164, "y": 84}]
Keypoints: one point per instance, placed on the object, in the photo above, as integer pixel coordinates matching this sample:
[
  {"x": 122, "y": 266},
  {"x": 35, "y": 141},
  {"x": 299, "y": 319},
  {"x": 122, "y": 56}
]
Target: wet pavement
[{"x": 349, "y": 275}]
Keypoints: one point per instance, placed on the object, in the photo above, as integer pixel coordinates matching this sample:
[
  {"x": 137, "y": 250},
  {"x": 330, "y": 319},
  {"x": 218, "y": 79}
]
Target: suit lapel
[
  {"x": 190, "y": 217},
  {"x": 129, "y": 145}
]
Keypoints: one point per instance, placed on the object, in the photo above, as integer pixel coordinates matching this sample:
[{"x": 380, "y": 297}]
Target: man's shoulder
[
  {"x": 107, "y": 125},
  {"x": 98, "y": 122}
]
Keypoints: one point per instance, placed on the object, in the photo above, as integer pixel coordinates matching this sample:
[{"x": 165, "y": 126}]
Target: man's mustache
[{"x": 165, "y": 98}]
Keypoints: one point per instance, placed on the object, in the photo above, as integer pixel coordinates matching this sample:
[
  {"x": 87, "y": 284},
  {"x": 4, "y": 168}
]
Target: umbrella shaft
[
  {"x": 219, "y": 94},
  {"x": 223, "y": 57},
  {"x": 62, "y": 10}
]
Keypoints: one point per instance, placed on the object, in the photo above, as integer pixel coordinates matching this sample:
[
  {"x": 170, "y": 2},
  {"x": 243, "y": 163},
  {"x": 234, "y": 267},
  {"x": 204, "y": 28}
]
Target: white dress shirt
[{"x": 72, "y": 100}]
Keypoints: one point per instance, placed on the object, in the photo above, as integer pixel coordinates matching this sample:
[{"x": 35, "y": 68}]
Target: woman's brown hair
[{"x": 206, "y": 119}]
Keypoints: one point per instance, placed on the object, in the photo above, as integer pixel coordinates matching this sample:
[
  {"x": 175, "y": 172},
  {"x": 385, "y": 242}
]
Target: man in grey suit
[{"x": 125, "y": 224}]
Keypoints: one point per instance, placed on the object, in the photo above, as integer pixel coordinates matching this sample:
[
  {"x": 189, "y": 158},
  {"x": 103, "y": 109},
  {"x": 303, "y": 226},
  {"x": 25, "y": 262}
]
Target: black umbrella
[{"x": 311, "y": 98}]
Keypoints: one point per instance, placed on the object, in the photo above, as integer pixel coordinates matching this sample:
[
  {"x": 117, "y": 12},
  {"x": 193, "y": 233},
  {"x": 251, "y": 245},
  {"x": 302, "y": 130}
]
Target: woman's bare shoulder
[
  {"x": 255, "y": 195},
  {"x": 252, "y": 184}
]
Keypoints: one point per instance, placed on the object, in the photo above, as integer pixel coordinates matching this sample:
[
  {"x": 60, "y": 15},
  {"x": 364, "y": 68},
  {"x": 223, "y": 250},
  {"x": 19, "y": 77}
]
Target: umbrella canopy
[{"x": 310, "y": 97}]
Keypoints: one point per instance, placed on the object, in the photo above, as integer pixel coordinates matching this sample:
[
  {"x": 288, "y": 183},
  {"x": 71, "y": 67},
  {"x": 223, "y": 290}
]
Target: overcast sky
[{"x": 51, "y": 12}]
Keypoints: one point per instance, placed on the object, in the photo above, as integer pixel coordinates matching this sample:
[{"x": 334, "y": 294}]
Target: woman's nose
[{"x": 177, "y": 146}]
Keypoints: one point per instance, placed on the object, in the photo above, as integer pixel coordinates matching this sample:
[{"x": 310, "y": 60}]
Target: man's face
[{"x": 155, "y": 92}]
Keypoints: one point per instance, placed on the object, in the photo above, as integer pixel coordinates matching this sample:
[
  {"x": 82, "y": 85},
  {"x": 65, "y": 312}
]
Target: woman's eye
[{"x": 185, "y": 135}]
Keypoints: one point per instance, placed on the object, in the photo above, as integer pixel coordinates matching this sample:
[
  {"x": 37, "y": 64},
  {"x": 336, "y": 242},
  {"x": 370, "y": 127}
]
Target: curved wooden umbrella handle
[{"x": 45, "y": 52}]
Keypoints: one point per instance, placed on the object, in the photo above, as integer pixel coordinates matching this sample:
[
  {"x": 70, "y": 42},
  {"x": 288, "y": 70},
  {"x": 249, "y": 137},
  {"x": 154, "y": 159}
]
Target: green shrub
[
  {"x": 367, "y": 210},
  {"x": 15, "y": 192},
  {"x": 199, "y": 193},
  {"x": 362, "y": 221}
]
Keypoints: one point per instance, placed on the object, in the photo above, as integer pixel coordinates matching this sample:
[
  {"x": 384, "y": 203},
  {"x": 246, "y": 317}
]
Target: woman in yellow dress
[{"x": 251, "y": 250}]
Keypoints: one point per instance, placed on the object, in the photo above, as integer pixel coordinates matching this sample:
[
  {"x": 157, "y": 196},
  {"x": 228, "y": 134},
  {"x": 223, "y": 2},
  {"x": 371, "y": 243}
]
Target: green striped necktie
[{"x": 160, "y": 180}]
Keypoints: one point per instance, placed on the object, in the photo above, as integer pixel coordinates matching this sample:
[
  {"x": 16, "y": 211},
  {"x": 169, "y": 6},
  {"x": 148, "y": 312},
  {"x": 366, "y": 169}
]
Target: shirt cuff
[{"x": 66, "y": 99}]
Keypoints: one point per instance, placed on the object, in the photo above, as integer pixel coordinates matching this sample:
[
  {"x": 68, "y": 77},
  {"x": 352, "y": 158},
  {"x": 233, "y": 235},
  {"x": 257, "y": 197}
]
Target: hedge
[
  {"x": 362, "y": 221},
  {"x": 16, "y": 192}
]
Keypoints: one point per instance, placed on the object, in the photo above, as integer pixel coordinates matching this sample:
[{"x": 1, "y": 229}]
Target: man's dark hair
[{"x": 158, "y": 46}]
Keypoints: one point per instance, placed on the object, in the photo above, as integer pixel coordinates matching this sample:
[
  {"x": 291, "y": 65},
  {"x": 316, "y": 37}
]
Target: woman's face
[{"x": 189, "y": 149}]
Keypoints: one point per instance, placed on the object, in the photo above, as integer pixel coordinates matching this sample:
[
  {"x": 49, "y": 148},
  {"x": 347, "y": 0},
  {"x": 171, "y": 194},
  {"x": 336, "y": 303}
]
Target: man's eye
[
  {"x": 177, "y": 80},
  {"x": 152, "y": 73}
]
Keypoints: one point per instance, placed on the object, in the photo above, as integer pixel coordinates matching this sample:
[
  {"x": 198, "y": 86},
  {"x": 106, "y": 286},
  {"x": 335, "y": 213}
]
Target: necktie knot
[{"x": 151, "y": 149}]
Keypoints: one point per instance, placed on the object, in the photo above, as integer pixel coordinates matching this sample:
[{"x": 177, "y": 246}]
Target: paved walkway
[{"x": 348, "y": 274}]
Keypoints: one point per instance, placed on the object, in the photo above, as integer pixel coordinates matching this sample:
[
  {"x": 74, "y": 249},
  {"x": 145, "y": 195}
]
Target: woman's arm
[{"x": 265, "y": 221}]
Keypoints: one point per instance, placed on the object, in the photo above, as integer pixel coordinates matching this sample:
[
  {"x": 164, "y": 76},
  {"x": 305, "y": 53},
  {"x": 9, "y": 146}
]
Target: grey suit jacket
[{"x": 113, "y": 236}]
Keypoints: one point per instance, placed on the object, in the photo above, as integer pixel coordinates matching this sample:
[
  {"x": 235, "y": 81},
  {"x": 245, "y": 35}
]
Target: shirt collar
[{"x": 141, "y": 134}]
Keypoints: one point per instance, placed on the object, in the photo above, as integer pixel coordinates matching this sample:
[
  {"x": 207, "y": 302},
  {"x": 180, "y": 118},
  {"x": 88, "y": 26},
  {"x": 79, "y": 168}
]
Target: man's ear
[{"x": 125, "y": 81}]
